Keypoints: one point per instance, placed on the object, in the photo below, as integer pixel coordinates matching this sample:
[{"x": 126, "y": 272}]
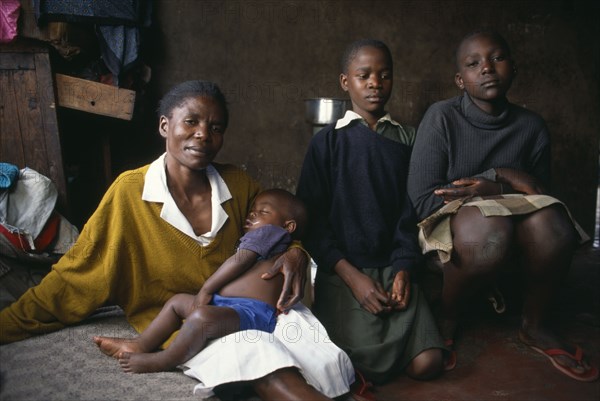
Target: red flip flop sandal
[
  {"x": 589, "y": 375},
  {"x": 450, "y": 357},
  {"x": 361, "y": 389}
]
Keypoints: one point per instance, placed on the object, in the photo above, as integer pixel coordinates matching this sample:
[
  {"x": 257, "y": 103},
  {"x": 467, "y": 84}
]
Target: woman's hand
[
  {"x": 293, "y": 264},
  {"x": 469, "y": 187},
  {"x": 401, "y": 290},
  {"x": 520, "y": 181}
]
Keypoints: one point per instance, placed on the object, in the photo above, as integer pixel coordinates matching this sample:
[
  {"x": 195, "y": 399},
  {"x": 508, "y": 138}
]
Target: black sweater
[{"x": 354, "y": 184}]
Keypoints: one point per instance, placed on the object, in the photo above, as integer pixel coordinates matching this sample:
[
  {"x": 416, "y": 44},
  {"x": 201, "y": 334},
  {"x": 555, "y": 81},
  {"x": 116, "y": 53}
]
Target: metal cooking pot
[{"x": 323, "y": 110}]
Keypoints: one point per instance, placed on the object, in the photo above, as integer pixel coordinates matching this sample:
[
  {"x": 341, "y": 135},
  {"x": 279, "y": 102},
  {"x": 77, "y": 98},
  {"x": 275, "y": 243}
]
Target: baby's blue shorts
[{"x": 254, "y": 314}]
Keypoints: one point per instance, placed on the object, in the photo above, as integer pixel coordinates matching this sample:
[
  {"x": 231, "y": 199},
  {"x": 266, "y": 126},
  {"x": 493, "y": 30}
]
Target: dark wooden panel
[
  {"x": 24, "y": 45},
  {"x": 28, "y": 123},
  {"x": 30, "y": 120},
  {"x": 17, "y": 61},
  {"x": 11, "y": 146},
  {"x": 47, "y": 103}
]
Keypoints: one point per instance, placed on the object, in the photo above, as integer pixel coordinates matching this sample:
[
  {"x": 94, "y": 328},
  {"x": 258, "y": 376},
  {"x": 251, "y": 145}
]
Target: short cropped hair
[
  {"x": 185, "y": 90},
  {"x": 296, "y": 209},
  {"x": 490, "y": 33},
  {"x": 354, "y": 47}
]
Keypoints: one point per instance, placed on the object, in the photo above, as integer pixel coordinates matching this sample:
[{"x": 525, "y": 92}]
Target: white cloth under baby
[{"x": 299, "y": 340}]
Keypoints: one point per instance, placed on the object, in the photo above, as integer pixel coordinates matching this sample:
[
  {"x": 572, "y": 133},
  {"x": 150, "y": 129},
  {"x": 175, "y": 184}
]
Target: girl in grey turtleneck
[{"x": 480, "y": 145}]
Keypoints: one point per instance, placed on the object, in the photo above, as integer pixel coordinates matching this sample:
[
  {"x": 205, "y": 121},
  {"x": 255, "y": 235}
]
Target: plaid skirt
[{"x": 435, "y": 233}]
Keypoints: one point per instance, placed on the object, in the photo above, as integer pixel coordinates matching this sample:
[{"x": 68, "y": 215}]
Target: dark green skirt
[{"x": 380, "y": 346}]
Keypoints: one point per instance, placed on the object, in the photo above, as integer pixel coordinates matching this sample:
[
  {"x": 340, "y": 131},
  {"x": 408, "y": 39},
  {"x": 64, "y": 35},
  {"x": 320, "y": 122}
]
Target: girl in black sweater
[{"x": 362, "y": 229}]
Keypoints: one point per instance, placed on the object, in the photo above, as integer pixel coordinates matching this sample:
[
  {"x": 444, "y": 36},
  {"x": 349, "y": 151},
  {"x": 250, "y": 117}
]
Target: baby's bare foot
[
  {"x": 113, "y": 346},
  {"x": 143, "y": 362}
]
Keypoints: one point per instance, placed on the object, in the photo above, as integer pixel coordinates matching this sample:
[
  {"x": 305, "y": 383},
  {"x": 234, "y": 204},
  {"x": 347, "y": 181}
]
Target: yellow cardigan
[{"x": 127, "y": 255}]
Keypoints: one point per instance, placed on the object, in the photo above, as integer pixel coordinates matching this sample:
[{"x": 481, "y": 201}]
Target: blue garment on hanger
[{"x": 117, "y": 24}]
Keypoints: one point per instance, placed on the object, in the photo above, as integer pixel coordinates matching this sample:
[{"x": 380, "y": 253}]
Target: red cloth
[{"x": 41, "y": 242}]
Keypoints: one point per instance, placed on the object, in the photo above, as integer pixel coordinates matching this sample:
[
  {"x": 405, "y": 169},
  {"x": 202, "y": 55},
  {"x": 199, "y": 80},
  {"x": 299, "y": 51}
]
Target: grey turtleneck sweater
[{"x": 456, "y": 139}]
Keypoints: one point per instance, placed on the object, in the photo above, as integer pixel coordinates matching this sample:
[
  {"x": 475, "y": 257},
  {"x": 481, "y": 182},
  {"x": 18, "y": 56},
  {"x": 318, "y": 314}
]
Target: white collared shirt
[
  {"x": 156, "y": 190},
  {"x": 385, "y": 126}
]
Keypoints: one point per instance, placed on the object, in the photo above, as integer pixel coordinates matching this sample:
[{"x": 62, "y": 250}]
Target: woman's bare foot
[
  {"x": 113, "y": 346},
  {"x": 143, "y": 362}
]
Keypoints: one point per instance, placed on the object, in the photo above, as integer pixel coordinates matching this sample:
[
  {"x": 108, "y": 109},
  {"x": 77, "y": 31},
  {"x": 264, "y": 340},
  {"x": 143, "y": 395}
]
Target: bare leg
[
  {"x": 427, "y": 365},
  {"x": 286, "y": 384},
  {"x": 547, "y": 240},
  {"x": 166, "y": 323},
  {"x": 481, "y": 247},
  {"x": 202, "y": 324}
]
